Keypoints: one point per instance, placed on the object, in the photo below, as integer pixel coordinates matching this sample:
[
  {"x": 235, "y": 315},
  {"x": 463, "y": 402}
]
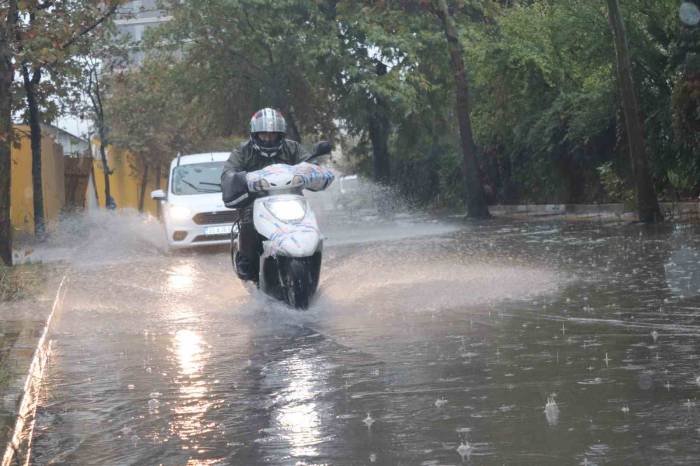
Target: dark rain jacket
[{"x": 247, "y": 159}]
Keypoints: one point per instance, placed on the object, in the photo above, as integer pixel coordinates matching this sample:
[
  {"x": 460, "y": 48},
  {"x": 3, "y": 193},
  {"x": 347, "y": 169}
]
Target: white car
[{"x": 192, "y": 210}]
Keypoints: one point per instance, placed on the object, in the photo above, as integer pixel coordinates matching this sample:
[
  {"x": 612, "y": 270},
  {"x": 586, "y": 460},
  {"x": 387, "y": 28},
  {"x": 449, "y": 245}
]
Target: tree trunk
[
  {"x": 158, "y": 175},
  {"x": 142, "y": 193},
  {"x": 379, "y": 136},
  {"x": 292, "y": 128},
  {"x": 95, "y": 94},
  {"x": 30, "y": 83},
  {"x": 647, "y": 203},
  {"x": 379, "y": 128},
  {"x": 94, "y": 182},
  {"x": 7, "y": 72},
  {"x": 476, "y": 197},
  {"x": 109, "y": 202}
]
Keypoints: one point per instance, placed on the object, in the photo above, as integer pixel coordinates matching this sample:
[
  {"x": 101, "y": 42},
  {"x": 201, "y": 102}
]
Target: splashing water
[
  {"x": 368, "y": 421},
  {"x": 551, "y": 410},
  {"x": 464, "y": 449},
  {"x": 101, "y": 236}
]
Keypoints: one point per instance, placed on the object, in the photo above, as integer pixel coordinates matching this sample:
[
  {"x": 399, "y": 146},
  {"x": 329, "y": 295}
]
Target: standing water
[{"x": 429, "y": 343}]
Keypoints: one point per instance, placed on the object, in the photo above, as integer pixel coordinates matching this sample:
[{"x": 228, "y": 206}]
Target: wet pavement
[{"x": 430, "y": 343}]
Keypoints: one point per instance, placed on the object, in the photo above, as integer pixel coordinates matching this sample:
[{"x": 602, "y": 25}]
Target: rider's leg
[{"x": 248, "y": 256}]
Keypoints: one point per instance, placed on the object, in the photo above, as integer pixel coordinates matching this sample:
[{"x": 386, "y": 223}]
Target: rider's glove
[
  {"x": 257, "y": 183},
  {"x": 255, "y": 186}
]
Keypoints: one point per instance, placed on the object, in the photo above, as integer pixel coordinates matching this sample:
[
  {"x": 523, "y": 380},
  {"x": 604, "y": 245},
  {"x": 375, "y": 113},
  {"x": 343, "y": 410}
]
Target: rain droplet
[
  {"x": 372, "y": 457},
  {"x": 655, "y": 335},
  {"x": 464, "y": 450},
  {"x": 153, "y": 405},
  {"x": 625, "y": 409},
  {"x": 689, "y": 14},
  {"x": 440, "y": 402},
  {"x": 368, "y": 421}
]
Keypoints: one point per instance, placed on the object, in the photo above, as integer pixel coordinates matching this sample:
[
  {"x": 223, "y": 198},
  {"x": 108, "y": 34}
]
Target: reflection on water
[
  {"x": 193, "y": 404},
  {"x": 188, "y": 349},
  {"x": 297, "y": 418},
  {"x": 181, "y": 278}
]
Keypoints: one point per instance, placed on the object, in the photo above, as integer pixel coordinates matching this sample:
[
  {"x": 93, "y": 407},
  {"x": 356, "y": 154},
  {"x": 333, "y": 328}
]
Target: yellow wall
[
  {"x": 125, "y": 180},
  {"x": 22, "y": 194}
]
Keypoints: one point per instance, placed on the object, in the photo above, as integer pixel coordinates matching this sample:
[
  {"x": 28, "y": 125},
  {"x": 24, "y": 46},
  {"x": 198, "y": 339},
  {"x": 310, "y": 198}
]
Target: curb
[
  {"x": 614, "y": 210},
  {"x": 23, "y": 390}
]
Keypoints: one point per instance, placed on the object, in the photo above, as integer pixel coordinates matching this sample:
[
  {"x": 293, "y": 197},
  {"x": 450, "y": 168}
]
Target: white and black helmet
[{"x": 268, "y": 120}]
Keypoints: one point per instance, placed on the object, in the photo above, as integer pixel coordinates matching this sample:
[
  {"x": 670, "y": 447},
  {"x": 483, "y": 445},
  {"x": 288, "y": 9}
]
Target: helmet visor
[{"x": 268, "y": 140}]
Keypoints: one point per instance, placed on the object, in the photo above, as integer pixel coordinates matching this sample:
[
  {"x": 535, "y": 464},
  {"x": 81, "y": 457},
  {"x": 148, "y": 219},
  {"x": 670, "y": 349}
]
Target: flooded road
[{"x": 430, "y": 343}]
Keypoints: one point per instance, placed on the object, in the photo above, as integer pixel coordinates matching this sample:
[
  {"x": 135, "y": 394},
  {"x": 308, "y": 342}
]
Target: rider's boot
[{"x": 245, "y": 268}]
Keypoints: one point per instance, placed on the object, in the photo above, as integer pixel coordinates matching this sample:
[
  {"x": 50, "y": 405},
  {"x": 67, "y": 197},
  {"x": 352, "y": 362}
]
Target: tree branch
[{"x": 110, "y": 11}]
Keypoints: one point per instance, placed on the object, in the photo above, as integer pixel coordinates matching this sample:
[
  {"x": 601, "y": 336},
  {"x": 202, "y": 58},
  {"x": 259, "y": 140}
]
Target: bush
[{"x": 614, "y": 186}]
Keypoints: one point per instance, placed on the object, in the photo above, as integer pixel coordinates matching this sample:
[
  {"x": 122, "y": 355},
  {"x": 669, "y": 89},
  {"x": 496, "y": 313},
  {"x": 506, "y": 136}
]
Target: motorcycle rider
[{"x": 267, "y": 145}]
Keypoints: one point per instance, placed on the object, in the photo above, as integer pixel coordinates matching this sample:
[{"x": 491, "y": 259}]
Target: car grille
[
  {"x": 201, "y": 238},
  {"x": 222, "y": 216}
]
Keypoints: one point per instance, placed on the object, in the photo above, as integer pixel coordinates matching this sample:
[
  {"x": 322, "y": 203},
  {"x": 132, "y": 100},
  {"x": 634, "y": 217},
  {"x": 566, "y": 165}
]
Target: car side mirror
[
  {"x": 158, "y": 195},
  {"x": 322, "y": 148}
]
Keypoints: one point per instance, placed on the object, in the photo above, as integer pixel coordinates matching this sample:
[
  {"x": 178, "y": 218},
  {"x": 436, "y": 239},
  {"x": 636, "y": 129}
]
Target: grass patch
[
  {"x": 5, "y": 376},
  {"x": 21, "y": 281}
]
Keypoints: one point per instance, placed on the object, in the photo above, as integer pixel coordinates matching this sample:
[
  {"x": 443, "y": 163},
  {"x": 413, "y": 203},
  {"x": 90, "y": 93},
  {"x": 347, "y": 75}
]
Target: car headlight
[
  {"x": 288, "y": 210},
  {"x": 178, "y": 212}
]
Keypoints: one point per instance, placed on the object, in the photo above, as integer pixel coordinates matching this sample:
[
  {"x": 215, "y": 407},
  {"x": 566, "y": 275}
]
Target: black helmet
[{"x": 268, "y": 120}]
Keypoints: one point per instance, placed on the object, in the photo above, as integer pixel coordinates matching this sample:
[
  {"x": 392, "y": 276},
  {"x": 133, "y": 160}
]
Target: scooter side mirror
[{"x": 322, "y": 148}]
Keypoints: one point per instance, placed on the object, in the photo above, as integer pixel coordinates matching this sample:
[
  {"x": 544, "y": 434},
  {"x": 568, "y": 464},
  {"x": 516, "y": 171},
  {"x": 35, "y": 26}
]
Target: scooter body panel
[{"x": 297, "y": 238}]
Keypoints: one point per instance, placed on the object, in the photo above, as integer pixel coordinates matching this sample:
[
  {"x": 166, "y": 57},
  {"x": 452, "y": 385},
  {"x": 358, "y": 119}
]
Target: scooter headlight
[
  {"x": 179, "y": 212},
  {"x": 288, "y": 210}
]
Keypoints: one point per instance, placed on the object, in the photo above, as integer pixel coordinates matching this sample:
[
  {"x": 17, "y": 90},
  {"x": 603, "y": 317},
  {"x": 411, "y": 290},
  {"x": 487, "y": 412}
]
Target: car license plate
[{"x": 223, "y": 230}]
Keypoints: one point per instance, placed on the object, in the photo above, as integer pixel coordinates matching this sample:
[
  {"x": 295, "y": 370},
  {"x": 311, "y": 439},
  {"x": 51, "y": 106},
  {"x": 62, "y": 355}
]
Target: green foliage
[
  {"x": 543, "y": 88},
  {"x": 239, "y": 56},
  {"x": 149, "y": 113},
  {"x": 53, "y": 39},
  {"x": 615, "y": 187},
  {"x": 544, "y": 94}
]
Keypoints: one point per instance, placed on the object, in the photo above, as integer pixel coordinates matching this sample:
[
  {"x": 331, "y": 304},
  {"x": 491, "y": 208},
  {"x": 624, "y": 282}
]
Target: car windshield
[{"x": 198, "y": 178}]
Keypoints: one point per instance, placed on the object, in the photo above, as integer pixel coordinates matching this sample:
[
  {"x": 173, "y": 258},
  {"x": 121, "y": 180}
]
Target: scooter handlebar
[{"x": 281, "y": 176}]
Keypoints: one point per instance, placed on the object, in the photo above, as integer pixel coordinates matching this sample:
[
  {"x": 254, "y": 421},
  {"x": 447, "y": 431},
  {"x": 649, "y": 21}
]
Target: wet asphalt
[{"x": 429, "y": 343}]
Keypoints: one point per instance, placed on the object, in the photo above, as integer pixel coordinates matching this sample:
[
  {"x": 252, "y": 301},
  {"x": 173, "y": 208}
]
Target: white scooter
[{"x": 290, "y": 263}]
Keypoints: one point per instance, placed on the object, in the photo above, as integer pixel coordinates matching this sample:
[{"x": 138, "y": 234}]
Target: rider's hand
[{"x": 258, "y": 185}]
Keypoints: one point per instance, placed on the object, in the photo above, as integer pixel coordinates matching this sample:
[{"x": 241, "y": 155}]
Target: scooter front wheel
[{"x": 299, "y": 284}]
